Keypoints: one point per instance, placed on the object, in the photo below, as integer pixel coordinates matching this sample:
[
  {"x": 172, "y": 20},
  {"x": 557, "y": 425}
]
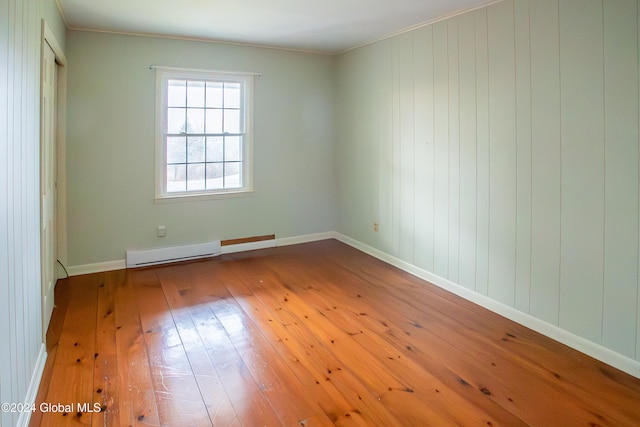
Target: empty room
[{"x": 371, "y": 213}]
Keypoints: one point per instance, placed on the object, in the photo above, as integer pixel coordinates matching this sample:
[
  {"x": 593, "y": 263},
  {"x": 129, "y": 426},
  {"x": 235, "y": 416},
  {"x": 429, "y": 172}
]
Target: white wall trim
[
  {"x": 59, "y": 147},
  {"x": 98, "y": 267},
  {"x": 306, "y": 238},
  {"x": 250, "y": 246},
  {"x": 34, "y": 385},
  {"x": 48, "y": 36},
  {"x": 617, "y": 360}
]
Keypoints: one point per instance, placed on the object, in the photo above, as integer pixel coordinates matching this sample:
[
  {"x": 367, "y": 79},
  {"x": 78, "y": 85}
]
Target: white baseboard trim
[
  {"x": 34, "y": 384},
  {"x": 250, "y": 246},
  {"x": 306, "y": 238},
  {"x": 617, "y": 360},
  {"x": 98, "y": 267},
  {"x": 286, "y": 241},
  {"x": 121, "y": 264}
]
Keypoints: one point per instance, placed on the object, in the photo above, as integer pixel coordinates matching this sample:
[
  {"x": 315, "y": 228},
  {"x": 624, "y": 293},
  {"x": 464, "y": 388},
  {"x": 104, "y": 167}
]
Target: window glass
[{"x": 204, "y": 139}]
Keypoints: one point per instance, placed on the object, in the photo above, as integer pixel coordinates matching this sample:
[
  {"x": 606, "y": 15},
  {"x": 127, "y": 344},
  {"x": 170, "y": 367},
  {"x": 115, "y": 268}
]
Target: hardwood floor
[{"x": 308, "y": 335}]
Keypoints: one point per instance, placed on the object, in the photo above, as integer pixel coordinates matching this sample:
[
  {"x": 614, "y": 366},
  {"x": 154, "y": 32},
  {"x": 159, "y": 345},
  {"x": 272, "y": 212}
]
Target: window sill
[{"x": 194, "y": 197}]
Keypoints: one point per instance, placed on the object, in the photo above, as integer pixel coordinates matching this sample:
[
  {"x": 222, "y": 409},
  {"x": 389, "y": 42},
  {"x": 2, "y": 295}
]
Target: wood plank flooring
[{"x": 317, "y": 334}]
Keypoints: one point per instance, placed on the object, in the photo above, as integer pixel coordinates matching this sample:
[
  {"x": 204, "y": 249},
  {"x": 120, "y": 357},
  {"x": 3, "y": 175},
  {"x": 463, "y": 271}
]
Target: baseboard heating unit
[{"x": 143, "y": 258}]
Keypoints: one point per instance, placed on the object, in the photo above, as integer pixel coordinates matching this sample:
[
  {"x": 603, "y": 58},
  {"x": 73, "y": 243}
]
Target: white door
[{"x": 48, "y": 183}]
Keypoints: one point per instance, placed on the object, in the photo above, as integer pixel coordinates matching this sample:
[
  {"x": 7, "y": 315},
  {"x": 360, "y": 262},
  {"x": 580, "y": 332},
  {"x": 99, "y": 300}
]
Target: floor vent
[{"x": 172, "y": 254}]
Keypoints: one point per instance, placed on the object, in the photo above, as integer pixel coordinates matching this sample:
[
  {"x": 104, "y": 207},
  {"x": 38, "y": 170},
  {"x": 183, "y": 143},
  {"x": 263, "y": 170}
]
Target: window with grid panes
[{"x": 205, "y": 133}]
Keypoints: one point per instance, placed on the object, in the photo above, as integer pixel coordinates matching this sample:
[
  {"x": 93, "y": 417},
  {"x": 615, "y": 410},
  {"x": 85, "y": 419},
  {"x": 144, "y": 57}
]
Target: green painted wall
[
  {"x": 111, "y": 146},
  {"x": 499, "y": 150}
]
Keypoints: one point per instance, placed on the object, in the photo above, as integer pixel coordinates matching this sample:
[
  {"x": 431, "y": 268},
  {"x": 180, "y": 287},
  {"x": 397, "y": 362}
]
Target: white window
[{"x": 203, "y": 133}]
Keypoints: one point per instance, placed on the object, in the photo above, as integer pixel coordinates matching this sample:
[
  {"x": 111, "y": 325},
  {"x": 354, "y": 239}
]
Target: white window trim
[{"x": 162, "y": 75}]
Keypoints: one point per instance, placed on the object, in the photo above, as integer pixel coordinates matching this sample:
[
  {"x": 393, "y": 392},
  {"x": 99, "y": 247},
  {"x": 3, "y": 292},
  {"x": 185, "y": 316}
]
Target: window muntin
[{"x": 205, "y": 137}]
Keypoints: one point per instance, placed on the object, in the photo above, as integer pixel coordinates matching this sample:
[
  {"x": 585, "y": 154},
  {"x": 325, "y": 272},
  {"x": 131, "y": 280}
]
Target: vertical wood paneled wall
[
  {"x": 499, "y": 149},
  {"x": 20, "y": 308}
]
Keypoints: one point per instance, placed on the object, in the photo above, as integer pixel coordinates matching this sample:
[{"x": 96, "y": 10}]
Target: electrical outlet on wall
[
  {"x": 376, "y": 226},
  {"x": 162, "y": 231}
]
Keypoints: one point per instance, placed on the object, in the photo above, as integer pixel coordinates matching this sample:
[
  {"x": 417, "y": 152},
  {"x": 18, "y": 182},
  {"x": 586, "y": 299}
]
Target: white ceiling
[{"x": 315, "y": 25}]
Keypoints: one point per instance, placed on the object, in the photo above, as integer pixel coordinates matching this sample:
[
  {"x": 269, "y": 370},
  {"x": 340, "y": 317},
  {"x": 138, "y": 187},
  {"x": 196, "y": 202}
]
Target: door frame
[{"x": 60, "y": 154}]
